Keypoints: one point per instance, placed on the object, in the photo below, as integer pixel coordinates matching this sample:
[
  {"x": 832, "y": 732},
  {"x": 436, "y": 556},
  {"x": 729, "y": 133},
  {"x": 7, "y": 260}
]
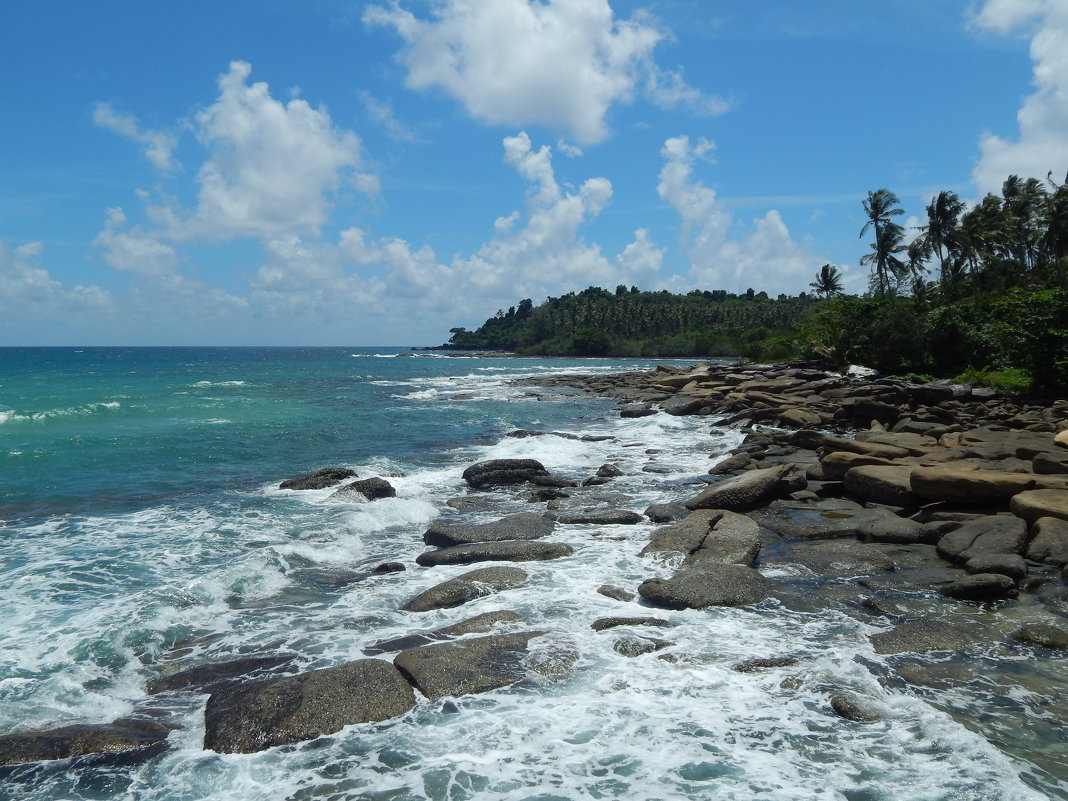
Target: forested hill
[{"x": 628, "y": 322}]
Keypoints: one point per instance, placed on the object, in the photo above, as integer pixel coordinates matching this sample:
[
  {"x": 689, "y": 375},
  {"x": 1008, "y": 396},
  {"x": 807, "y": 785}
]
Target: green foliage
[{"x": 1013, "y": 381}]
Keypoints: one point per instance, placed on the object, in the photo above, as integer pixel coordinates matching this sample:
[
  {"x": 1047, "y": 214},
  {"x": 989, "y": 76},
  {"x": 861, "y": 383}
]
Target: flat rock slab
[
  {"x": 838, "y": 557},
  {"x": 822, "y": 521},
  {"x": 522, "y": 526},
  {"x": 603, "y": 517},
  {"x": 881, "y": 484},
  {"x": 991, "y": 534},
  {"x": 708, "y": 585},
  {"x": 1039, "y": 503},
  {"x": 465, "y": 667},
  {"x": 468, "y": 587},
  {"x": 250, "y": 718},
  {"x": 510, "y": 551},
  {"x": 978, "y": 487},
  {"x": 741, "y": 493},
  {"x": 919, "y": 636},
  {"x": 126, "y": 737}
]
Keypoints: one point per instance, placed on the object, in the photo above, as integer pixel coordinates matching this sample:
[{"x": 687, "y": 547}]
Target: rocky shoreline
[{"x": 936, "y": 512}]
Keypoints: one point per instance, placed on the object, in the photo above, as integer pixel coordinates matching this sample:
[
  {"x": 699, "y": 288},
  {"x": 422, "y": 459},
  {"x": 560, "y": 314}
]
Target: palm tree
[
  {"x": 1025, "y": 205},
  {"x": 886, "y": 268},
  {"x": 828, "y": 281},
  {"x": 941, "y": 235}
]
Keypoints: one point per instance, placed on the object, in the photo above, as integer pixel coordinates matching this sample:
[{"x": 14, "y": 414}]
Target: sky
[{"x": 269, "y": 172}]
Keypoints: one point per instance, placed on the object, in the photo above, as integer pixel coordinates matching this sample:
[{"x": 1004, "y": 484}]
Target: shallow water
[{"x": 143, "y": 531}]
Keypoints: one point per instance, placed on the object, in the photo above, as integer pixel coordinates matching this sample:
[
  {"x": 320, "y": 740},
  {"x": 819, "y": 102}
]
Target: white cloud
[
  {"x": 272, "y": 166},
  {"x": 1043, "y": 118},
  {"x": 765, "y": 257},
  {"x": 561, "y": 63},
  {"x": 159, "y": 146},
  {"x": 382, "y": 113},
  {"x": 133, "y": 250},
  {"x": 27, "y": 290}
]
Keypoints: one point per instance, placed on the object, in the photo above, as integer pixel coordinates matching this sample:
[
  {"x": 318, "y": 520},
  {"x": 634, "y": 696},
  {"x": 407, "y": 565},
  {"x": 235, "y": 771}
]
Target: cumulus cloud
[
  {"x": 765, "y": 256},
  {"x": 562, "y": 64},
  {"x": 159, "y": 146},
  {"x": 1043, "y": 118},
  {"x": 133, "y": 250}
]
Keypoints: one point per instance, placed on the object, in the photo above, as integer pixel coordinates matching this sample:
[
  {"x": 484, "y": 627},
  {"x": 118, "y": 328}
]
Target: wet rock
[
  {"x": 209, "y": 677},
  {"x": 601, "y": 517},
  {"x": 254, "y": 717},
  {"x": 765, "y": 663},
  {"x": 829, "y": 519},
  {"x": 980, "y": 587},
  {"x": 836, "y": 464},
  {"x": 388, "y": 567},
  {"x": 709, "y": 536},
  {"x": 709, "y": 585},
  {"x": 838, "y": 558},
  {"x": 919, "y": 636},
  {"x": 616, "y": 593},
  {"x": 666, "y": 512},
  {"x": 372, "y": 489},
  {"x": 897, "y": 530},
  {"x": 732, "y": 464},
  {"x": 503, "y": 472},
  {"x": 609, "y": 471},
  {"x": 683, "y": 405},
  {"x": 631, "y": 645},
  {"x": 855, "y": 707},
  {"x": 633, "y": 410},
  {"x": 1050, "y": 463},
  {"x": 473, "y": 665},
  {"x": 1043, "y": 634},
  {"x": 508, "y": 551},
  {"x": 126, "y": 737},
  {"x": 320, "y": 479},
  {"x": 742, "y": 493},
  {"x": 1038, "y": 503},
  {"x": 991, "y": 534},
  {"x": 1011, "y": 565},
  {"x": 1049, "y": 542},
  {"x": 522, "y": 526},
  {"x": 613, "y": 622},
  {"x": 480, "y": 624},
  {"x": 467, "y": 587}
]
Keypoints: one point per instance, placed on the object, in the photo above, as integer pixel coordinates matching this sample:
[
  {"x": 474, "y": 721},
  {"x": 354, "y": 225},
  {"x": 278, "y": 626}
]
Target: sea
[{"x": 143, "y": 531}]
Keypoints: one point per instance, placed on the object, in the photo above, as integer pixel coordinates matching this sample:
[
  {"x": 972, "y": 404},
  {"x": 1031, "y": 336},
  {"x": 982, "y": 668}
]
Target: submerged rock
[
  {"x": 468, "y": 587},
  {"x": 127, "y": 737},
  {"x": 708, "y": 585},
  {"x": 254, "y": 717},
  {"x": 320, "y": 479},
  {"x": 210, "y": 677},
  {"x": 508, "y": 551},
  {"x": 522, "y": 526}
]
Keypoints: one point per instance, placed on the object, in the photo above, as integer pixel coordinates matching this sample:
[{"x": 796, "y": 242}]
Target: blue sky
[{"x": 373, "y": 173}]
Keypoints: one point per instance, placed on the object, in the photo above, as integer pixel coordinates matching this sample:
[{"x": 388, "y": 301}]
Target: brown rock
[
  {"x": 1034, "y": 504},
  {"x": 741, "y": 493},
  {"x": 978, "y": 487},
  {"x": 891, "y": 484}
]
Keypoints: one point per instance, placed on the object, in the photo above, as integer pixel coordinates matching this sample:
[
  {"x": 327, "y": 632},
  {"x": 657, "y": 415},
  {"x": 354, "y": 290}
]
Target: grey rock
[
  {"x": 509, "y": 551},
  {"x": 1007, "y": 564},
  {"x": 763, "y": 663},
  {"x": 262, "y": 715},
  {"x": 372, "y": 489},
  {"x": 828, "y": 519},
  {"x": 1049, "y": 542},
  {"x": 633, "y": 410},
  {"x": 990, "y": 534},
  {"x": 616, "y": 593},
  {"x": 480, "y": 624},
  {"x": 609, "y": 471},
  {"x": 920, "y": 636},
  {"x": 320, "y": 479},
  {"x": 602, "y": 517},
  {"x": 522, "y": 526},
  {"x": 208, "y": 677},
  {"x": 708, "y": 585},
  {"x": 1044, "y": 634},
  {"x": 126, "y": 737},
  {"x": 666, "y": 512},
  {"x": 473, "y": 665},
  {"x": 979, "y": 587},
  {"x": 614, "y": 622},
  {"x": 898, "y": 530},
  {"x": 503, "y": 472},
  {"x": 741, "y": 493},
  {"x": 838, "y": 557},
  {"x": 855, "y": 707},
  {"x": 468, "y": 587},
  {"x": 631, "y": 645}
]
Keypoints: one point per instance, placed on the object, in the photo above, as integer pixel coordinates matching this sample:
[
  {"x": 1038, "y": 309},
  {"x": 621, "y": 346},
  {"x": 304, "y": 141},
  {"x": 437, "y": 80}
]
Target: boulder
[
  {"x": 838, "y": 558},
  {"x": 1049, "y": 541},
  {"x": 601, "y": 624},
  {"x": 522, "y": 526},
  {"x": 856, "y": 707},
  {"x": 709, "y": 536},
  {"x": 1034, "y": 504},
  {"x": 763, "y": 663},
  {"x": 984, "y": 536},
  {"x": 897, "y": 530},
  {"x": 480, "y": 624},
  {"x": 477, "y": 664},
  {"x": 1044, "y": 634},
  {"x": 1050, "y": 463},
  {"x": 503, "y": 472},
  {"x": 830, "y": 444},
  {"x": 828, "y": 519},
  {"x": 683, "y": 405},
  {"x": 977, "y": 487},
  {"x": 128, "y": 738},
  {"x": 601, "y": 517},
  {"x": 632, "y": 410},
  {"x": 631, "y": 645},
  {"x": 507, "y": 551},
  {"x": 684, "y": 536},
  {"x": 616, "y": 593},
  {"x": 320, "y": 479},
  {"x": 261, "y": 715},
  {"x": 666, "y": 512},
  {"x": 742, "y": 493},
  {"x": 979, "y": 587},
  {"x": 1007, "y": 564},
  {"x": 836, "y": 464},
  {"x": 800, "y": 418},
  {"x": 881, "y": 484},
  {"x": 707, "y": 585},
  {"x": 372, "y": 489},
  {"x": 468, "y": 587}
]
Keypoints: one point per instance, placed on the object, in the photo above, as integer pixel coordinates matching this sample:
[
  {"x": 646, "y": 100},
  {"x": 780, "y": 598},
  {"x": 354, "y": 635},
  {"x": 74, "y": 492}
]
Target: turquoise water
[{"x": 142, "y": 531}]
